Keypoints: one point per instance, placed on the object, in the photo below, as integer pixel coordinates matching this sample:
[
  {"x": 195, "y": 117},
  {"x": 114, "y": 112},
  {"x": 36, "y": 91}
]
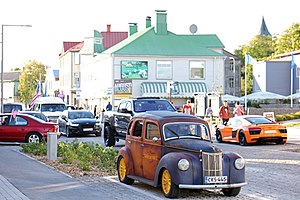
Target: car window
[
  {"x": 53, "y": 107},
  {"x": 16, "y": 121},
  {"x": 137, "y": 130},
  {"x": 8, "y": 108},
  {"x": 259, "y": 120},
  {"x": 185, "y": 130},
  {"x": 152, "y": 131},
  {"x": 143, "y": 105}
]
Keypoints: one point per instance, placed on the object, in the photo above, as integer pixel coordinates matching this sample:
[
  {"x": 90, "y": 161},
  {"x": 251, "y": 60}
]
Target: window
[
  {"x": 137, "y": 132},
  {"x": 231, "y": 65},
  {"x": 152, "y": 131},
  {"x": 231, "y": 82},
  {"x": 197, "y": 69},
  {"x": 164, "y": 70}
]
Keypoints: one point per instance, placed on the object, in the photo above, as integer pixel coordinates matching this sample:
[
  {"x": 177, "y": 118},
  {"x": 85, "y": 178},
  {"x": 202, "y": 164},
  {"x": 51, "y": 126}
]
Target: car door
[
  {"x": 134, "y": 142},
  {"x": 123, "y": 117},
  {"x": 15, "y": 129},
  {"x": 151, "y": 149},
  {"x": 227, "y": 130}
]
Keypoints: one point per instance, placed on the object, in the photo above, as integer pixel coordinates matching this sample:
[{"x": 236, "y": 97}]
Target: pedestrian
[
  {"x": 224, "y": 112},
  {"x": 108, "y": 107},
  {"x": 209, "y": 111},
  {"x": 95, "y": 110},
  {"x": 238, "y": 109},
  {"x": 187, "y": 108}
]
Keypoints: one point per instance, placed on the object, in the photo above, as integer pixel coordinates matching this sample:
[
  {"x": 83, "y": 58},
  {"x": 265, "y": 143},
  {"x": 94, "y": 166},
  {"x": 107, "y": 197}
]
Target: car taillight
[
  {"x": 283, "y": 130},
  {"x": 54, "y": 129},
  {"x": 254, "y": 131}
]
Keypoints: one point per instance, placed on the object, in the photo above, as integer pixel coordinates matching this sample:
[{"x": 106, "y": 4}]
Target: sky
[{"x": 235, "y": 22}]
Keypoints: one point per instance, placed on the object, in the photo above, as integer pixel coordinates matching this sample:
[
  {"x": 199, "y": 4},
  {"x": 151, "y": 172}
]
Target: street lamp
[
  {"x": 233, "y": 63},
  {"x": 2, "y": 44}
]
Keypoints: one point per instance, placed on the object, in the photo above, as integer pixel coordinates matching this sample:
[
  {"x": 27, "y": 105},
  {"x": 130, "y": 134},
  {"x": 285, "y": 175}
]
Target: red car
[{"x": 24, "y": 128}]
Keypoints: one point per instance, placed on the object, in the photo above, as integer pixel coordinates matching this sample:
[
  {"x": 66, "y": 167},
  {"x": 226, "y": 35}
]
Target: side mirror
[{"x": 64, "y": 117}]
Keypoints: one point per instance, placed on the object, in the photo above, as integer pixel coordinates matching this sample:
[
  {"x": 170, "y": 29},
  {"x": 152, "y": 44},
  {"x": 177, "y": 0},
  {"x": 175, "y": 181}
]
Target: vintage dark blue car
[{"x": 175, "y": 151}]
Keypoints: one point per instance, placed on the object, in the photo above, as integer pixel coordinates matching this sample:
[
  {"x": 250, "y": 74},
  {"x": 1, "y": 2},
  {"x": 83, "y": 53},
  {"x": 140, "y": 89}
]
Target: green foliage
[
  {"x": 38, "y": 149},
  {"x": 81, "y": 154},
  {"x": 285, "y": 117},
  {"x": 29, "y": 77},
  {"x": 289, "y": 40}
]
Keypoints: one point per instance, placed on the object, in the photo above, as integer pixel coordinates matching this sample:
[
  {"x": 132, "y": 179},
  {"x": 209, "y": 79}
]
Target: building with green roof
[{"x": 148, "y": 61}]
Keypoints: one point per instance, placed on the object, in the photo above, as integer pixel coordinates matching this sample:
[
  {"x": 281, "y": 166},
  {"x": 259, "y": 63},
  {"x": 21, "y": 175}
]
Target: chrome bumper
[{"x": 216, "y": 186}]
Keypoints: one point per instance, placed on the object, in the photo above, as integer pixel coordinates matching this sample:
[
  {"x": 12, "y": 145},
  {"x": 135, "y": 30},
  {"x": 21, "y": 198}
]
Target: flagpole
[
  {"x": 246, "y": 84},
  {"x": 292, "y": 87}
]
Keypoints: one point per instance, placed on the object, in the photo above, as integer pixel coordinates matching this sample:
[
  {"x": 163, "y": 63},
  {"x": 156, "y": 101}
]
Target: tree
[
  {"x": 261, "y": 47},
  {"x": 289, "y": 40},
  {"x": 32, "y": 73}
]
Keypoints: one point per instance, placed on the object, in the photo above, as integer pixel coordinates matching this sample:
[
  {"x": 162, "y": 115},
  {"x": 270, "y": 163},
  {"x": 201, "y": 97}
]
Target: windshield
[
  {"x": 185, "y": 130},
  {"x": 259, "y": 120},
  {"x": 53, "y": 107},
  {"x": 79, "y": 114},
  {"x": 149, "y": 105},
  {"x": 8, "y": 108}
]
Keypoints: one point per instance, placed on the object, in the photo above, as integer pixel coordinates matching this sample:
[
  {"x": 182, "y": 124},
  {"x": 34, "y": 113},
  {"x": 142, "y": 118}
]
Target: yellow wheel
[
  {"x": 168, "y": 186},
  {"x": 122, "y": 171}
]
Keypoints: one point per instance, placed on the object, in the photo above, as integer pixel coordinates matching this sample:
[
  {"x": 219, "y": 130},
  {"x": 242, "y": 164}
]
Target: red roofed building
[{"x": 112, "y": 38}]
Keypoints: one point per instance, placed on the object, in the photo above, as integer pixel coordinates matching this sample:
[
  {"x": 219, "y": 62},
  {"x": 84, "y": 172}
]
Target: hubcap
[
  {"x": 33, "y": 138},
  {"x": 166, "y": 182},
  {"x": 122, "y": 169}
]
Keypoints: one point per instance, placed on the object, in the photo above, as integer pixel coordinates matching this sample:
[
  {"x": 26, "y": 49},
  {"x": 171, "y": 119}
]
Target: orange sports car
[{"x": 249, "y": 129}]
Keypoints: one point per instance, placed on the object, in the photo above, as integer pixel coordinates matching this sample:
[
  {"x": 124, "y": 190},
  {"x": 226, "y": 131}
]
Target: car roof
[{"x": 165, "y": 115}]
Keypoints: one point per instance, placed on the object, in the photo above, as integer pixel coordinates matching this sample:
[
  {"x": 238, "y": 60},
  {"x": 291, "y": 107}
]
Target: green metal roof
[{"x": 147, "y": 42}]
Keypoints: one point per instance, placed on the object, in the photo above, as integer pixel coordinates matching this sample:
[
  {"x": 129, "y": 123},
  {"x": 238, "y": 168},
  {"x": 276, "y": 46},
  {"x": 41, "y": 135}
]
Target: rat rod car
[{"x": 175, "y": 150}]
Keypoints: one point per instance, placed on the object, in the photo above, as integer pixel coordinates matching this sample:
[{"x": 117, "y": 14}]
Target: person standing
[
  {"x": 224, "y": 112},
  {"x": 95, "y": 110},
  {"x": 238, "y": 109},
  {"x": 187, "y": 108},
  {"x": 108, "y": 107}
]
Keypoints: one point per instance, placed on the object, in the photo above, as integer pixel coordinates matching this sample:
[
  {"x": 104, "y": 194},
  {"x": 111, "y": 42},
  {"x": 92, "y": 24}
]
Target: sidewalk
[{"x": 23, "y": 178}]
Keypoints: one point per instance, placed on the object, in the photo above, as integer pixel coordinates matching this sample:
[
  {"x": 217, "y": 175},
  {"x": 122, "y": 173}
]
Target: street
[{"x": 272, "y": 172}]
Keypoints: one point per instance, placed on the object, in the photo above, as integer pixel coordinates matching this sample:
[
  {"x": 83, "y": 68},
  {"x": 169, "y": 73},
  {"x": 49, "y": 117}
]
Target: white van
[{"x": 52, "y": 107}]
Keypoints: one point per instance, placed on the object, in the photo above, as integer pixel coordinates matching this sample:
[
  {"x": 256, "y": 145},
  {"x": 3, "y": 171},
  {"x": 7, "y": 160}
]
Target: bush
[
  {"x": 285, "y": 117},
  {"x": 82, "y": 154}
]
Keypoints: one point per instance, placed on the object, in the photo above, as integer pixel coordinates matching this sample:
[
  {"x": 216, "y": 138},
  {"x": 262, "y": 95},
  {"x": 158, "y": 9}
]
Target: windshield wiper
[{"x": 173, "y": 132}]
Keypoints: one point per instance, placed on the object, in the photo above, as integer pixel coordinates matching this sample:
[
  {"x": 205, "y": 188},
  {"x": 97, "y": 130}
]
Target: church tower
[{"x": 264, "y": 29}]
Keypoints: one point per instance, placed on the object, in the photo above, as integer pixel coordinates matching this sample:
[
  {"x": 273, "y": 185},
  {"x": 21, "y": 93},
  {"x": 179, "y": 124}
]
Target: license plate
[
  {"x": 88, "y": 129},
  {"x": 270, "y": 131},
  {"x": 215, "y": 179}
]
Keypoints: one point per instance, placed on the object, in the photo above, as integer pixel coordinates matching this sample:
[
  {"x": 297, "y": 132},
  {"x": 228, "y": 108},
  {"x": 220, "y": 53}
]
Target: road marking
[{"x": 113, "y": 179}]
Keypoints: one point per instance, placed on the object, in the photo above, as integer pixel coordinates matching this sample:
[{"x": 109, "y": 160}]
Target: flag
[
  {"x": 249, "y": 60},
  {"x": 37, "y": 94},
  {"x": 293, "y": 62},
  {"x": 45, "y": 89}
]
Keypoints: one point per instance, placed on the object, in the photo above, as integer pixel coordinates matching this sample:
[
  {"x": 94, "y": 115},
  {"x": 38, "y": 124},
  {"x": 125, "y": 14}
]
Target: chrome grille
[{"x": 212, "y": 164}]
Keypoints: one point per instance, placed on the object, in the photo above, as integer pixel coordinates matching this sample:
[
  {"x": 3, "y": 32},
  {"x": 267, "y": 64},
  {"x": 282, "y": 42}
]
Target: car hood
[
  {"x": 83, "y": 121},
  {"x": 192, "y": 145},
  {"x": 52, "y": 114}
]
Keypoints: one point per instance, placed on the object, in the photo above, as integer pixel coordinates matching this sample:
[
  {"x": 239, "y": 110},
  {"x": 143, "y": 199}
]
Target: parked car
[
  {"x": 79, "y": 122},
  {"x": 176, "y": 151},
  {"x": 116, "y": 122},
  {"x": 52, "y": 107},
  {"x": 249, "y": 129},
  {"x": 36, "y": 114},
  {"x": 9, "y": 107},
  {"x": 16, "y": 127}
]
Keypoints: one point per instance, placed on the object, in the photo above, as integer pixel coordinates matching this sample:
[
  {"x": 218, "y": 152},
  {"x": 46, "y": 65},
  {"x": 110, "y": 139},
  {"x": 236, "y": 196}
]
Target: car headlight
[
  {"x": 183, "y": 164},
  {"x": 71, "y": 124},
  {"x": 239, "y": 163}
]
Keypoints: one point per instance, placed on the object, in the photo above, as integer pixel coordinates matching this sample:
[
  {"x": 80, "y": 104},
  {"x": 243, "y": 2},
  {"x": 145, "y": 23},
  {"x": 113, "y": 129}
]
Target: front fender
[
  {"x": 170, "y": 162},
  {"x": 234, "y": 175},
  {"x": 126, "y": 154}
]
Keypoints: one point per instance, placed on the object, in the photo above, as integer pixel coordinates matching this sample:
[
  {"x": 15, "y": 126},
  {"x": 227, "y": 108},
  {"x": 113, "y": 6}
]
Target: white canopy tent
[
  {"x": 295, "y": 96},
  {"x": 231, "y": 98},
  {"x": 264, "y": 96}
]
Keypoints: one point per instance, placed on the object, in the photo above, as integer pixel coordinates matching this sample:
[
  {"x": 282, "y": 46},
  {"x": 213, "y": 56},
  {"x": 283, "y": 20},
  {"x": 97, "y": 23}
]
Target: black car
[
  {"x": 79, "y": 122},
  {"x": 36, "y": 114}
]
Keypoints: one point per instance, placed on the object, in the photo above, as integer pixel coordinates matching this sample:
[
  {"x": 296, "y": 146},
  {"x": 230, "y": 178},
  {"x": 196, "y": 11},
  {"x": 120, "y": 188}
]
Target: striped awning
[{"x": 181, "y": 89}]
